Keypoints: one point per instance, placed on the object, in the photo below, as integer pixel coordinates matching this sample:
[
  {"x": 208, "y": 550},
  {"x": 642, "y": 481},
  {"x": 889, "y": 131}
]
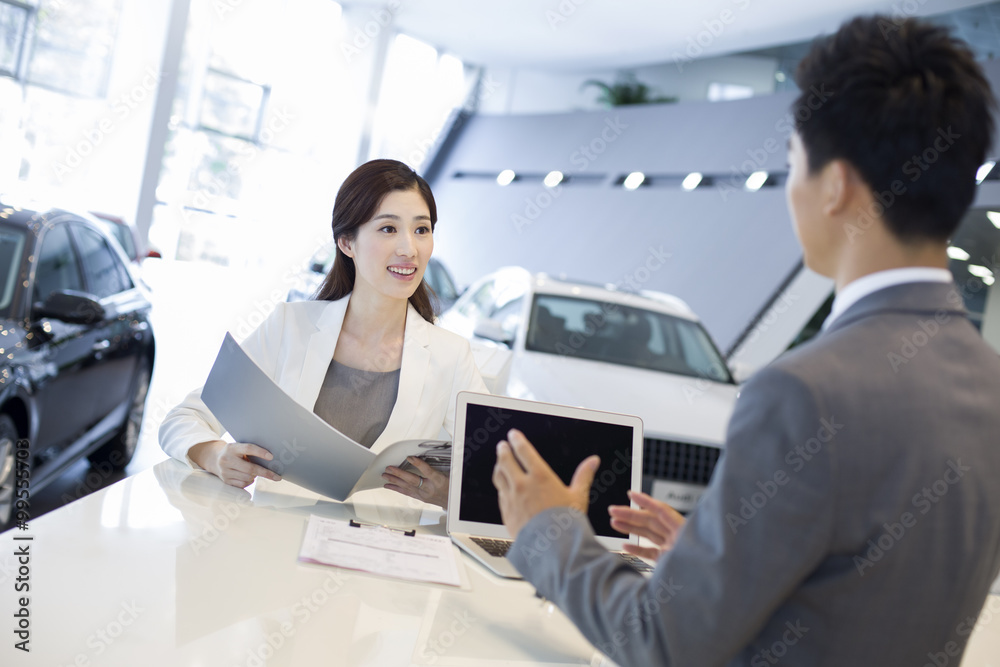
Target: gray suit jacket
[{"x": 852, "y": 519}]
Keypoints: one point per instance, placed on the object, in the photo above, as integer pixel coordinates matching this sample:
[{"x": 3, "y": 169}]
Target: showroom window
[
  {"x": 64, "y": 46},
  {"x": 420, "y": 88}
]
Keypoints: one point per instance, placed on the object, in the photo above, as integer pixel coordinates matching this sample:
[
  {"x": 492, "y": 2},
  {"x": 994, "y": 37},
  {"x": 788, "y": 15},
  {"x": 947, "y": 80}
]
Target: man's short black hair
[{"x": 907, "y": 105}]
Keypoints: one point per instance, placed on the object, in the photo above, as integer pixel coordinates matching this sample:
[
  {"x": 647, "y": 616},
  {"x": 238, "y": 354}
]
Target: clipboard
[{"x": 390, "y": 552}]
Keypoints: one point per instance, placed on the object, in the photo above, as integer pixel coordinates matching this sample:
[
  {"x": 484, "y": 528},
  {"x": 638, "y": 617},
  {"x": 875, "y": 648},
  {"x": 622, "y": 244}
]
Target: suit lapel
[
  {"x": 319, "y": 352},
  {"x": 412, "y": 378}
]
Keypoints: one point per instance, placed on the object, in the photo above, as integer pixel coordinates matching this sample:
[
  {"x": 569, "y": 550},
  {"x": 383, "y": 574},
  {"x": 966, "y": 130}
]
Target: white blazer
[{"x": 295, "y": 345}]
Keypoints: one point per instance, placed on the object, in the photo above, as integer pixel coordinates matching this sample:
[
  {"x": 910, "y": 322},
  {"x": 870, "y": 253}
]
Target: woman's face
[{"x": 391, "y": 250}]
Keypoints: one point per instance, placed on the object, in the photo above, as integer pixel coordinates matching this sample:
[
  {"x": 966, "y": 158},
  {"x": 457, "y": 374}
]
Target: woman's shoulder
[
  {"x": 301, "y": 314},
  {"x": 441, "y": 337}
]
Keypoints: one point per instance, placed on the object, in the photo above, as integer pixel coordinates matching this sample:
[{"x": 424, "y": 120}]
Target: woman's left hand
[{"x": 429, "y": 486}]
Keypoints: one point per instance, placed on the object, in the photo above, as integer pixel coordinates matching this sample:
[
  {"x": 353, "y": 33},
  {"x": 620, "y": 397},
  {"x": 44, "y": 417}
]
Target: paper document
[
  {"x": 380, "y": 550},
  {"x": 306, "y": 450}
]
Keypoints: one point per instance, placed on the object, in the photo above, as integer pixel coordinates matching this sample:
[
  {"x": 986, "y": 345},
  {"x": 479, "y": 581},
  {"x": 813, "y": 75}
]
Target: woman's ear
[{"x": 346, "y": 246}]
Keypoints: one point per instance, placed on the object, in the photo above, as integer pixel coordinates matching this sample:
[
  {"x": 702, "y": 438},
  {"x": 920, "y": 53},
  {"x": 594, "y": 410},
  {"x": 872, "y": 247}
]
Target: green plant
[{"x": 625, "y": 90}]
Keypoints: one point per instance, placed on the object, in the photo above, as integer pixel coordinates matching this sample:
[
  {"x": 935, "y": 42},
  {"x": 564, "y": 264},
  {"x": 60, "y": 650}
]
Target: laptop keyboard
[{"x": 500, "y": 547}]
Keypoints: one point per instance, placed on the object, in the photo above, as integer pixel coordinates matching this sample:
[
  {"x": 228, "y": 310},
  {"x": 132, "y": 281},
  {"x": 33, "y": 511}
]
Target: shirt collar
[{"x": 873, "y": 282}]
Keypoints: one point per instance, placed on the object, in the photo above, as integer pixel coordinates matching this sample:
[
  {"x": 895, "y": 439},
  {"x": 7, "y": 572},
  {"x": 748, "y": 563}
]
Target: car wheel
[
  {"x": 120, "y": 449},
  {"x": 8, "y": 476}
]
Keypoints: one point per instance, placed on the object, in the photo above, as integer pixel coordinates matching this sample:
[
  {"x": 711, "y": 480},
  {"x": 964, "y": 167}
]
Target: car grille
[{"x": 679, "y": 461}]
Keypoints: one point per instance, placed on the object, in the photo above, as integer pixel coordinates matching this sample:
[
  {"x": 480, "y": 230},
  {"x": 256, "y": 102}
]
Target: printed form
[{"x": 380, "y": 550}]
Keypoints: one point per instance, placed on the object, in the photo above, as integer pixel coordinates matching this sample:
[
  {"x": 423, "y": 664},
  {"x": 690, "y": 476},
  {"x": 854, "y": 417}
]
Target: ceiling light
[
  {"x": 634, "y": 180},
  {"x": 957, "y": 253},
  {"x": 553, "y": 178},
  {"x": 691, "y": 181},
  {"x": 988, "y": 280},
  {"x": 994, "y": 218},
  {"x": 756, "y": 180},
  {"x": 984, "y": 170},
  {"x": 980, "y": 271},
  {"x": 506, "y": 177},
  {"x": 779, "y": 76}
]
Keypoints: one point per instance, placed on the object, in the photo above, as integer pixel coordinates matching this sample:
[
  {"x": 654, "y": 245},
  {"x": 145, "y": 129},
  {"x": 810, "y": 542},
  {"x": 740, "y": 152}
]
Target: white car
[{"x": 647, "y": 354}]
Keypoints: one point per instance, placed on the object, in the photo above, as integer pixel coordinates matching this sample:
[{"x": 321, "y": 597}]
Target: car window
[
  {"x": 103, "y": 269},
  {"x": 11, "y": 247},
  {"x": 509, "y": 316},
  {"x": 56, "y": 266},
  {"x": 441, "y": 282},
  {"x": 481, "y": 302},
  {"x": 624, "y": 335}
]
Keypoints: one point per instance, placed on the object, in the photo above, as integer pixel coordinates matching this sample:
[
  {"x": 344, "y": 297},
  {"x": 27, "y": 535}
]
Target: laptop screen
[{"x": 563, "y": 442}]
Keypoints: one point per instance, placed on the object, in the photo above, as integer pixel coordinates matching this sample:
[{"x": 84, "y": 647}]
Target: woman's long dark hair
[{"x": 357, "y": 202}]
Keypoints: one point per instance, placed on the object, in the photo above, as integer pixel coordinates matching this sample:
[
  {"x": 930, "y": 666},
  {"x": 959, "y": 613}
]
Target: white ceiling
[{"x": 608, "y": 34}]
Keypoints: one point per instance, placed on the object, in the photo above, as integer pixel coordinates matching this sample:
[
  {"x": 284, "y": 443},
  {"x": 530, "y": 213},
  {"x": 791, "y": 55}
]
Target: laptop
[{"x": 564, "y": 436}]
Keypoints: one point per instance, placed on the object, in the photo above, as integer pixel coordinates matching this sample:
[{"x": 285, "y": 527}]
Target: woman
[{"x": 364, "y": 355}]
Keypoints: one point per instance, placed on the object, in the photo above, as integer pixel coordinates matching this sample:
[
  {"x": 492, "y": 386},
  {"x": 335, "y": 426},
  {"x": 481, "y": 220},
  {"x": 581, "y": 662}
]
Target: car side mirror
[
  {"x": 70, "y": 306},
  {"x": 741, "y": 371},
  {"x": 494, "y": 331}
]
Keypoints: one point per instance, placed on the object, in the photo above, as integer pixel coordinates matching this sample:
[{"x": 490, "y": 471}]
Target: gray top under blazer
[{"x": 853, "y": 519}]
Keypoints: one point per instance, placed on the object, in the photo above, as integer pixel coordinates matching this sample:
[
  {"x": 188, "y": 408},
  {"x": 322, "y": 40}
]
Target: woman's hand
[
  {"x": 655, "y": 520},
  {"x": 429, "y": 486},
  {"x": 228, "y": 462}
]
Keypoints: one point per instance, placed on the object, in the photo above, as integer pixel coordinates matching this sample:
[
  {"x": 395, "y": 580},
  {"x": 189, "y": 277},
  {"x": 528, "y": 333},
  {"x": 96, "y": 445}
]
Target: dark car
[
  {"x": 76, "y": 348},
  {"x": 436, "y": 277},
  {"x": 125, "y": 235}
]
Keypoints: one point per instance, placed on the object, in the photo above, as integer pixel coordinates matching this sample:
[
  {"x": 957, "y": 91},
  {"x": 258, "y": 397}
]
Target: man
[{"x": 852, "y": 518}]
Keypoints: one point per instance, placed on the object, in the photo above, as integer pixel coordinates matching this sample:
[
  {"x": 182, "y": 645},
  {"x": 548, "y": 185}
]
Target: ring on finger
[{"x": 421, "y": 483}]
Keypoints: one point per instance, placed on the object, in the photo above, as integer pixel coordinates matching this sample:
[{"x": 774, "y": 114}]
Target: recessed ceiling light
[
  {"x": 984, "y": 171},
  {"x": 634, "y": 180},
  {"x": 957, "y": 253},
  {"x": 994, "y": 217},
  {"x": 691, "y": 181},
  {"x": 756, "y": 180},
  {"x": 980, "y": 271},
  {"x": 988, "y": 280},
  {"x": 506, "y": 177},
  {"x": 553, "y": 178}
]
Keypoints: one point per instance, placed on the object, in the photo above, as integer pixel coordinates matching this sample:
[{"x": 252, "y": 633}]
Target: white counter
[{"x": 171, "y": 567}]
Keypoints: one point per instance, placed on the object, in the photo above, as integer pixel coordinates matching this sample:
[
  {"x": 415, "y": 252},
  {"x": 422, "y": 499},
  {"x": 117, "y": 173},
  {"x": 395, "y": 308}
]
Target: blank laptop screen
[{"x": 563, "y": 442}]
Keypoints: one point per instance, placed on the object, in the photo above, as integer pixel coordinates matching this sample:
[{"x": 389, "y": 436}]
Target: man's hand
[
  {"x": 654, "y": 520},
  {"x": 527, "y": 485}
]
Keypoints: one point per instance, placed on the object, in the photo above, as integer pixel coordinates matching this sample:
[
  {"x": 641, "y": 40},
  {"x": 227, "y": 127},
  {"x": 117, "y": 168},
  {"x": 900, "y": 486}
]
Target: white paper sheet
[{"x": 380, "y": 550}]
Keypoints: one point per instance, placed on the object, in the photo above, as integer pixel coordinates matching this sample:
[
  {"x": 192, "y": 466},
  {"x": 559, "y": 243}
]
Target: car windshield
[
  {"x": 11, "y": 246},
  {"x": 625, "y": 335}
]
